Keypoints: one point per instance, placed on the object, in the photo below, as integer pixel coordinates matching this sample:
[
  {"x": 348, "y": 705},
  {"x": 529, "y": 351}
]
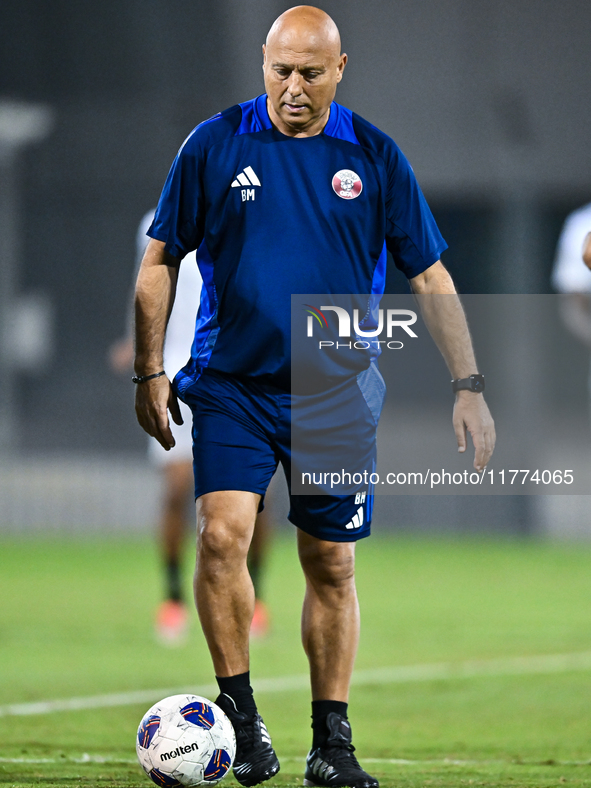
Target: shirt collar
[{"x": 264, "y": 121}]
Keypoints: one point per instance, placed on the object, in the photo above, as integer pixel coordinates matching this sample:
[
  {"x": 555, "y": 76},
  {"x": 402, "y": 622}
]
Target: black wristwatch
[{"x": 474, "y": 383}]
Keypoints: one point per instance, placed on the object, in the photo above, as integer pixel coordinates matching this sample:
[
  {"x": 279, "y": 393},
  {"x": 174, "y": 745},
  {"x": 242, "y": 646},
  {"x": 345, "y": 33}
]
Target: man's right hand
[
  {"x": 153, "y": 399},
  {"x": 154, "y": 297}
]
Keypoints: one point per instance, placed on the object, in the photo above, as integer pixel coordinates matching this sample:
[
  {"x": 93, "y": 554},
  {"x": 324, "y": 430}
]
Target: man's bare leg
[
  {"x": 256, "y": 561},
  {"x": 330, "y": 617},
  {"x": 258, "y": 549},
  {"x": 224, "y": 594},
  {"x": 172, "y": 617},
  {"x": 330, "y": 633},
  {"x": 178, "y": 488}
]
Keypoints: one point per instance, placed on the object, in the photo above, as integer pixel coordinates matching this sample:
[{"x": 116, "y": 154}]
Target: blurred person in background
[
  {"x": 571, "y": 278},
  {"x": 587, "y": 251},
  {"x": 176, "y": 466}
]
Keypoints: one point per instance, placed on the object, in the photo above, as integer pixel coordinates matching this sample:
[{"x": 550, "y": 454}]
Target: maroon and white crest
[{"x": 347, "y": 184}]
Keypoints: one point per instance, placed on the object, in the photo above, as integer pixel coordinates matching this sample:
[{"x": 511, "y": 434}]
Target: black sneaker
[
  {"x": 334, "y": 764},
  {"x": 255, "y": 759}
]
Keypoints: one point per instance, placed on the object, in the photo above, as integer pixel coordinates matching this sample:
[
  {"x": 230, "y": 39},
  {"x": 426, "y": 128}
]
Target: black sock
[
  {"x": 320, "y": 711},
  {"x": 239, "y": 689},
  {"x": 173, "y": 580}
]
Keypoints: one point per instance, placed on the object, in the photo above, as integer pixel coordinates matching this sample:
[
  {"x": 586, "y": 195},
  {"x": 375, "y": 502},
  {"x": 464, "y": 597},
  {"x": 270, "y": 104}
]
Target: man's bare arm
[
  {"x": 154, "y": 297},
  {"x": 446, "y": 321}
]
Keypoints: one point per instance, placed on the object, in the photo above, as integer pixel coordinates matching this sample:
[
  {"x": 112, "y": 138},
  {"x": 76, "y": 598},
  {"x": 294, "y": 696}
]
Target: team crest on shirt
[{"x": 347, "y": 184}]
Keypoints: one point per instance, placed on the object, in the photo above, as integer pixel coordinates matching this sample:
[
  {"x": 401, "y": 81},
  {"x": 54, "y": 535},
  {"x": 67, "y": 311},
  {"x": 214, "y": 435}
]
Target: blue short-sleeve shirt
[{"x": 272, "y": 215}]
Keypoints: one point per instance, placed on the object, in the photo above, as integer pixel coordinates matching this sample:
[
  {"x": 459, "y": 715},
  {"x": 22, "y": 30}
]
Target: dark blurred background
[{"x": 489, "y": 101}]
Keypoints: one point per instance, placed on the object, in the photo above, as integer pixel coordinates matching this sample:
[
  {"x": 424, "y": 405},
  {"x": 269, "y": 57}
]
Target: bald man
[{"x": 287, "y": 193}]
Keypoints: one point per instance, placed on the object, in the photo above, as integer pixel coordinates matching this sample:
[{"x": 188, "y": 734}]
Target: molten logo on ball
[
  {"x": 166, "y": 756},
  {"x": 347, "y": 184}
]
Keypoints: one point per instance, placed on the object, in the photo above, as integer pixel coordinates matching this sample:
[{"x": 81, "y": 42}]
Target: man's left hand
[
  {"x": 154, "y": 399},
  {"x": 471, "y": 414}
]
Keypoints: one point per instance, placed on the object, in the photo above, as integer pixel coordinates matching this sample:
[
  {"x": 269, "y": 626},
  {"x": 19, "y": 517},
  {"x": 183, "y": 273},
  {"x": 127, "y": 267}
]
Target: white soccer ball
[{"x": 185, "y": 740}]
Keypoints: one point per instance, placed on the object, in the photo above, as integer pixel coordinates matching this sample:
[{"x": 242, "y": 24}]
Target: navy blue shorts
[{"x": 242, "y": 430}]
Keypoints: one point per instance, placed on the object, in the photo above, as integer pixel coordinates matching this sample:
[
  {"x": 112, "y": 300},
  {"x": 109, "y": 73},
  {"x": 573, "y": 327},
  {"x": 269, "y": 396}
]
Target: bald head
[
  {"x": 303, "y": 65},
  {"x": 306, "y": 27}
]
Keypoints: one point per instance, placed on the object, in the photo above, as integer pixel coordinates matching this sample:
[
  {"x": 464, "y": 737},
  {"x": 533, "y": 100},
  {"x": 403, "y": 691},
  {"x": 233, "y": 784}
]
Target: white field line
[
  {"x": 511, "y": 666},
  {"x": 102, "y": 701}
]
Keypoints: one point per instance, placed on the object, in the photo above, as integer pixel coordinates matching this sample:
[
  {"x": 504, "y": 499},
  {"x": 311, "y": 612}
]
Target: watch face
[{"x": 477, "y": 383}]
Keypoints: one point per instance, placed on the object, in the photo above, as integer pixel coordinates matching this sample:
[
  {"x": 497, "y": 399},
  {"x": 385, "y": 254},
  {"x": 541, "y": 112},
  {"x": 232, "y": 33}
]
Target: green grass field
[{"x": 76, "y": 621}]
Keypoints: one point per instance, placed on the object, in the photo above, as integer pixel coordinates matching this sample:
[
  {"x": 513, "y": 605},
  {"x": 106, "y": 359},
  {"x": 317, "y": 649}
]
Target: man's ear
[{"x": 342, "y": 64}]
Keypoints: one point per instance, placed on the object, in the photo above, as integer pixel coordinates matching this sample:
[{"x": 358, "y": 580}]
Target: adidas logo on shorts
[{"x": 357, "y": 520}]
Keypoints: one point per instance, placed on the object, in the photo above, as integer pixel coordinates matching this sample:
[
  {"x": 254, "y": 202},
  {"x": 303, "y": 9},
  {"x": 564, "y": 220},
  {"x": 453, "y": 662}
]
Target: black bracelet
[{"x": 143, "y": 378}]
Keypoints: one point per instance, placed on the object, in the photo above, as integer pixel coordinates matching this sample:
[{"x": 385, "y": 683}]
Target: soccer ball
[{"x": 185, "y": 740}]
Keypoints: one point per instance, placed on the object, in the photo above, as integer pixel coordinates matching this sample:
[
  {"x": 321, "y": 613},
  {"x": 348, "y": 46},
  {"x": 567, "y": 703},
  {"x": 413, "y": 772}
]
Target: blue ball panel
[
  {"x": 218, "y": 765},
  {"x": 199, "y": 714},
  {"x": 147, "y": 730},
  {"x": 163, "y": 779}
]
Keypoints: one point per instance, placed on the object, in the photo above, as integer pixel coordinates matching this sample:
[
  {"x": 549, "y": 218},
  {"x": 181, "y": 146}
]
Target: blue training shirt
[{"x": 272, "y": 215}]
